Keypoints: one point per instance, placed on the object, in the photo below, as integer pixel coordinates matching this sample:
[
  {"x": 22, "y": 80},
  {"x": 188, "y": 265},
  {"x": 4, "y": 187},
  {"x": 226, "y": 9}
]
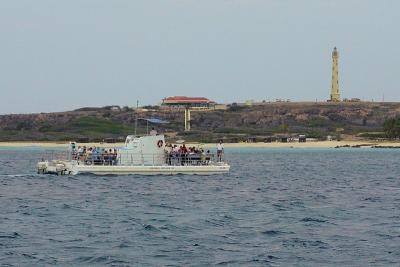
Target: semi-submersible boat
[{"x": 145, "y": 155}]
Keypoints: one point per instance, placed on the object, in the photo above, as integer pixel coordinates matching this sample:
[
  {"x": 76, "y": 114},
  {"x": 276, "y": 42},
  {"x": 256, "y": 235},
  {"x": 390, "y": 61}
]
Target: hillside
[{"x": 236, "y": 123}]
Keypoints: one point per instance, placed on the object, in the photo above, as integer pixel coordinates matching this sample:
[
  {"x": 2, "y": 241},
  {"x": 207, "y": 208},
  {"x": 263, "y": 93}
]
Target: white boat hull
[
  {"x": 154, "y": 170},
  {"x": 73, "y": 169}
]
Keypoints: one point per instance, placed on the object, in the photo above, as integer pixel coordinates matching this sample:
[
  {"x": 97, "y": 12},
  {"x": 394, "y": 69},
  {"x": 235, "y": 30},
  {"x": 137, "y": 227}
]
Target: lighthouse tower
[{"x": 335, "y": 94}]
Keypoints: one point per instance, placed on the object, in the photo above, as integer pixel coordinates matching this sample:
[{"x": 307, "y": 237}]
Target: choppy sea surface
[{"x": 277, "y": 207}]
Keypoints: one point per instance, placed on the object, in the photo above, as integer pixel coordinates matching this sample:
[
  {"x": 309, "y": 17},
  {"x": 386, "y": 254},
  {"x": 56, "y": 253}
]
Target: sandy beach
[{"x": 315, "y": 144}]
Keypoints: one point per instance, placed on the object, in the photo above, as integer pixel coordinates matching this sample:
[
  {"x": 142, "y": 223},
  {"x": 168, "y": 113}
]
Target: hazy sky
[{"x": 59, "y": 55}]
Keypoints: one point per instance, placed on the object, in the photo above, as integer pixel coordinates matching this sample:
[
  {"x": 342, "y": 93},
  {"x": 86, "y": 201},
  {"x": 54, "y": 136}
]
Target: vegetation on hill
[
  {"x": 238, "y": 123},
  {"x": 90, "y": 126},
  {"x": 392, "y": 127}
]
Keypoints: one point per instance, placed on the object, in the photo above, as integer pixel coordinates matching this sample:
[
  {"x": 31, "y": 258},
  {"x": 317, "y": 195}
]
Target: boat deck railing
[
  {"x": 173, "y": 159},
  {"x": 150, "y": 160},
  {"x": 50, "y": 155},
  {"x": 189, "y": 159}
]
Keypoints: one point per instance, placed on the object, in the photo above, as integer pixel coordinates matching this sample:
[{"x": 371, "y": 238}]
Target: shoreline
[{"x": 314, "y": 144}]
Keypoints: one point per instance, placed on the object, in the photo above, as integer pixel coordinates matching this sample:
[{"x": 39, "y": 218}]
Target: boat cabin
[{"x": 144, "y": 150}]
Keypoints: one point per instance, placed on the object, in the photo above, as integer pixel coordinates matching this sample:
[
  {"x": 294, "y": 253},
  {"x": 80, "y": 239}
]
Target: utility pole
[
  {"x": 136, "y": 119},
  {"x": 187, "y": 119}
]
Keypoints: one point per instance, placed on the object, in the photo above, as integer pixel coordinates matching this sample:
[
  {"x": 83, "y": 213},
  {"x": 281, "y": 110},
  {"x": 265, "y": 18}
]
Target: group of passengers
[
  {"x": 183, "y": 155},
  {"x": 175, "y": 155},
  {"x": 95, "y": 155}
]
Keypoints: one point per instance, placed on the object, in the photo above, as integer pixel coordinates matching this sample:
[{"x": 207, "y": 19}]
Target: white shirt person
[
  {"x": 220, "y": 150},
  {"x": 153, "y": 132}
]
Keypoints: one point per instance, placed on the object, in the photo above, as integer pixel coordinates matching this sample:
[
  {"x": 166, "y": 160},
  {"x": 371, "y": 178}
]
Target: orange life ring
[{"x": 160, "y": 143}]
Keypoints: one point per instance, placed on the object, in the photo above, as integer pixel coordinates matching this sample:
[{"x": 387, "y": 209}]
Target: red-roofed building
[{"x": 185, "y": 101}]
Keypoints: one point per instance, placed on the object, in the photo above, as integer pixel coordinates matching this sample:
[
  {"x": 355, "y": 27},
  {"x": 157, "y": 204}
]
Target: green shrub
[
  {"x": 373, "y": 135},
  {"x": 392, "y": 127}
]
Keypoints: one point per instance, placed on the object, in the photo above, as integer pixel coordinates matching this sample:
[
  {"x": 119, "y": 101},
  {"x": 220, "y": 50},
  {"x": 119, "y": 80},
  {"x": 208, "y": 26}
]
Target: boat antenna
[{"x": 136, "y": 117}]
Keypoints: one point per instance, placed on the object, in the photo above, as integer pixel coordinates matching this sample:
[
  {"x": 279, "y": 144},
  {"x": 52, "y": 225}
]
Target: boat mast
[{"x": 136, "y": 117}]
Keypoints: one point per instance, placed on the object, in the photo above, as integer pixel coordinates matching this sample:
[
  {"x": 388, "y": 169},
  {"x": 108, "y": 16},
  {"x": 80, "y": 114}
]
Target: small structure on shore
[
  {"x": 269, "y": 139},
  {"x": 251, "y": 139},
  {"x": 110, "y": 140},
  {"x": 189, "y": 104},
  {"x": 283, "y": 139},
  {"x": 302, "y": 138},
  {"x": 83, "y": 140},
  {"x": 180, "y": 102}
]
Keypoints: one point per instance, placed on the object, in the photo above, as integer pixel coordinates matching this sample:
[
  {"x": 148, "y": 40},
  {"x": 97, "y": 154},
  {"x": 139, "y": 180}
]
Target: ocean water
[{"x": 277, "y": 207}]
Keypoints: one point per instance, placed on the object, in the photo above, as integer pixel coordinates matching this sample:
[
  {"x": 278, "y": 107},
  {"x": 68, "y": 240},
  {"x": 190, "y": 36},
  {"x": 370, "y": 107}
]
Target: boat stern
[{"x": 58, "y": 167}]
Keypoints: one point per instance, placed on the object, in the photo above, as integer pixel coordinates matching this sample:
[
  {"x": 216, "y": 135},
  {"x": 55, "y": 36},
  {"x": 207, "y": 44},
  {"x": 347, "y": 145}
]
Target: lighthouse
[{"x": 335, "y": 93}]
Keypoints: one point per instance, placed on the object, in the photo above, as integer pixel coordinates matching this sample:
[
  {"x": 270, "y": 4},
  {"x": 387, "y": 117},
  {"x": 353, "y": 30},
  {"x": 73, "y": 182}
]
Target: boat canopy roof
[{"x": 155, "y": 120}]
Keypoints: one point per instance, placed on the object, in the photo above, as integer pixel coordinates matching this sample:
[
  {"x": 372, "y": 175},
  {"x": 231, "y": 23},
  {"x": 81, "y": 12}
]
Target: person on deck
[
  {"x": 183, "y": 151},
  {"x": 175, "y": 155},
  {"x": 220, "y": 150},
  {"x": 168, "y": 152},
  {"x": 153, "y": 132}
]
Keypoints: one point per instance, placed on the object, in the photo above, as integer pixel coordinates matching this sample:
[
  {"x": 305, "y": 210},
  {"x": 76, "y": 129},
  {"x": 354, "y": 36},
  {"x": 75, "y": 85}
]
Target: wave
[
  {"x": 17, "y": 175},
  {"x": 164, "y": 206},
  {"x": 273, "y": 232},
  {"x": 298, "y": 242},
  {"x": 149, "y": 227},
  {"x": 100, "y": 260},
  {"x": 10, "y": 236},
  {"x": 309, "y": 219}
]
